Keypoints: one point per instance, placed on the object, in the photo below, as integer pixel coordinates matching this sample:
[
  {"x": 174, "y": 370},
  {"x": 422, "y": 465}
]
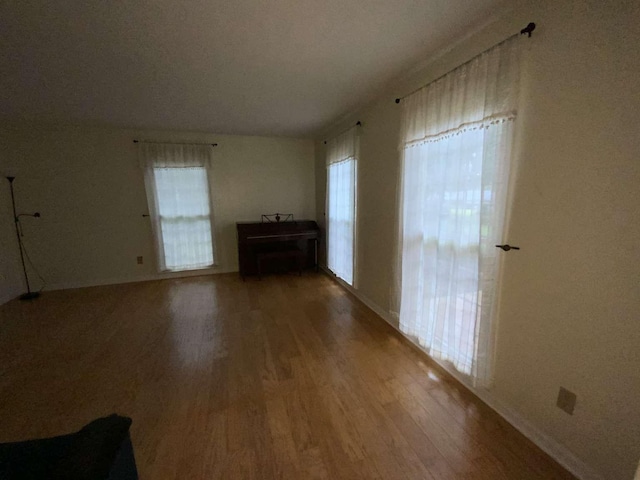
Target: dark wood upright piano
[{"x": 274, "y": 247}]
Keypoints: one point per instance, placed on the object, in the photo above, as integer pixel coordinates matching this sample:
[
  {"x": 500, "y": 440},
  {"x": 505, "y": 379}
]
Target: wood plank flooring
[{"x": 285, "y": 378}]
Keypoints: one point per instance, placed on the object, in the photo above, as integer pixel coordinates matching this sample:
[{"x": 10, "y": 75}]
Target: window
[
  {"x": 178, "y": 192},
  {"x": 185, "y": 217},
  {"x": 341, "y": 204},
  {"x": 456, "y": 153}
]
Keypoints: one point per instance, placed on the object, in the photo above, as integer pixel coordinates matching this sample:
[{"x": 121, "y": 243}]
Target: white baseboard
[
  {"x": 552, "y": 447},
  {"x": 118, "y": 280},
  {"x": 138, "y": 278}
]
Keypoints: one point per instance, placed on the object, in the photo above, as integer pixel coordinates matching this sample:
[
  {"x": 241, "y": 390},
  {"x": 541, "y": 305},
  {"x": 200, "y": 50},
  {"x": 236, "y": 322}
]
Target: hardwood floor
[{"x": 289, "y": 377}]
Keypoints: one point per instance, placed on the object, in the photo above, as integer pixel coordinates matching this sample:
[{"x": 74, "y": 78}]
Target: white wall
[
  {"x": 88, "y": 187},
  {"x": 570, "y": 299}
]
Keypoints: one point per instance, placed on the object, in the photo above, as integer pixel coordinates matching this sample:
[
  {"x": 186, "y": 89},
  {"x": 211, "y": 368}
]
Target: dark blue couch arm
[
  {"x": 124, "y": 465},
  {"x": 100, "y": 450}
]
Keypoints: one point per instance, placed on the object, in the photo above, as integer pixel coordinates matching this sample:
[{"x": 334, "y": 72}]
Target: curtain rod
[
  {"x": 176, "y": 143},
  {"x": 525, "y": 31},
  {"x": 358, "y": 124}
]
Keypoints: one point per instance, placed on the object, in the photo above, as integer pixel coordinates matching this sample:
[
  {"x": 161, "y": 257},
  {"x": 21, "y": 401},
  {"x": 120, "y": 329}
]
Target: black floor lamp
[{"x": 29, "y": 295}]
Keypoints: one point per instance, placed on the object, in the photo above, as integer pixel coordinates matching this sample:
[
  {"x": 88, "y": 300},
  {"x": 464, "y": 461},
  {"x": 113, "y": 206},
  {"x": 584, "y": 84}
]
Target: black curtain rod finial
[{"x": 528, "y": 30}]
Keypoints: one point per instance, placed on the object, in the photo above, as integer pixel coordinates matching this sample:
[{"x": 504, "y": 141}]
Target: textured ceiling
[{"x": 278, "y": 67}]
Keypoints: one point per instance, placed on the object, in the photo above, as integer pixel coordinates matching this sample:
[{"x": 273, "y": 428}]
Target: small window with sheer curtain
[
  {"x": 341, "y": 204},
  {"x": 178, "y": 191}
]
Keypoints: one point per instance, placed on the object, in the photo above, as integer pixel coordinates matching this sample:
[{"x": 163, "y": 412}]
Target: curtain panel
[
  {"x": 456, "y": 141},
  {"x": 480, "y": 93},
  {"x": 177, "y": 181},
  {"x": 342, "y": 152}
]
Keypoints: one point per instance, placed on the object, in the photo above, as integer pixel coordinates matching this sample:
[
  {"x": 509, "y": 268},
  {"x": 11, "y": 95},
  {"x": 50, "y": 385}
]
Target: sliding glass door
[{"x": 456, "y": 145}]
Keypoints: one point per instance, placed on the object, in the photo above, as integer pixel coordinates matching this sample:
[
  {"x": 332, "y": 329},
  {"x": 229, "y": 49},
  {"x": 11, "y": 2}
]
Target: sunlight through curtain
[
  {"x": 456, "y": 143},
  {"x": 341, "y": 204},
  {"x": 177, "y": 184}
]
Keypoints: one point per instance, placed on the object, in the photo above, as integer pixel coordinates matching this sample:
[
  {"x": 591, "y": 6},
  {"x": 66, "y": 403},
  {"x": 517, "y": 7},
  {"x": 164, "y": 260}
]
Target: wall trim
[
  {"x": 549, "y": 445},
  {"x": 137, "y": 278}
]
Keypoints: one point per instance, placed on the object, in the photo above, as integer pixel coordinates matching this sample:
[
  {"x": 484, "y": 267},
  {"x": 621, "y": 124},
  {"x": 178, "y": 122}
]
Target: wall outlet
[
  {"x": 566, "y": 400},
  {"x": 140, "y": 260}
]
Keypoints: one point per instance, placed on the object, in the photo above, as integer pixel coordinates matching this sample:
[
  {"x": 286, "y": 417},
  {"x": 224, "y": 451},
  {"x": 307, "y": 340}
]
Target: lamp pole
[{"x": 29, "y": 295}]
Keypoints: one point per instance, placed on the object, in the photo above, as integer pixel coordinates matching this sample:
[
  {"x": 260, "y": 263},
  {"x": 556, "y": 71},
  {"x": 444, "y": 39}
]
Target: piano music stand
[{"x": 276, "y": 217}]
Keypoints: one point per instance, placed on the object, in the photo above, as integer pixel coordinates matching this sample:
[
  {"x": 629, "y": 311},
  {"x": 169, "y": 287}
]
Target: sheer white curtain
[
  {"x": 178, "y": 194},
  {"x": 456, "y": 149},
  {"x": 342, "y": 154}
]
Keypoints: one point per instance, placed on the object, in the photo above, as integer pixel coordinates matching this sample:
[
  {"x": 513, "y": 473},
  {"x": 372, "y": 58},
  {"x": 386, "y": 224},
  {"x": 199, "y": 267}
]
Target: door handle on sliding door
[{"x": 507, "y": 247}]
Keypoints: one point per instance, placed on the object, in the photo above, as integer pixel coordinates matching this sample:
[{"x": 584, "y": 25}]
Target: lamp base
[{"x": 29, "y": 296}]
